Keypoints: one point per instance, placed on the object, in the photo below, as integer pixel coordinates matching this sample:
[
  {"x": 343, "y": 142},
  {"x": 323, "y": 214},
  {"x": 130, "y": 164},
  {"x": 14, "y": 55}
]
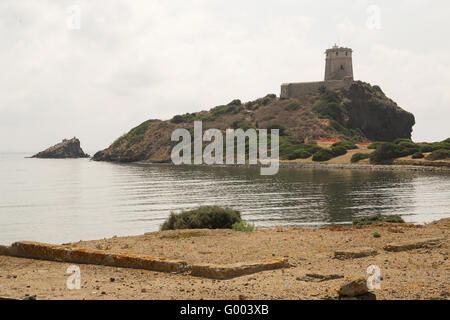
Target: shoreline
[
  {"x": 413, "y": 260},
  {"x": 323, "y": 166}
]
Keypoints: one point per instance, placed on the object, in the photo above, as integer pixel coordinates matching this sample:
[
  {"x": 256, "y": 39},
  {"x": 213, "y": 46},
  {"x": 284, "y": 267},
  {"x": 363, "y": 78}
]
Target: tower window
[
  {"x": 336, "y": 53},
  {"x": 342, "y": 67}
]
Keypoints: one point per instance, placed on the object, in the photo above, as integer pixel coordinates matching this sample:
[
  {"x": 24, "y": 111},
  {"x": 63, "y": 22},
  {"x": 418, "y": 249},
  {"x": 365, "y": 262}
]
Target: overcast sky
[{"x": 123, "y": 62}]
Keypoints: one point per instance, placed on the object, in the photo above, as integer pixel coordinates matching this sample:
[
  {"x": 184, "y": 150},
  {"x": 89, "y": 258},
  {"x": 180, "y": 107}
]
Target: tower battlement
[{"x": 338, "y": 64}]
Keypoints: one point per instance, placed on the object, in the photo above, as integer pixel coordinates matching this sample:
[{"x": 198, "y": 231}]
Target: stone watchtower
[
  {"x": 338, "y": 64},
  {"x": 338, "y": 75}
]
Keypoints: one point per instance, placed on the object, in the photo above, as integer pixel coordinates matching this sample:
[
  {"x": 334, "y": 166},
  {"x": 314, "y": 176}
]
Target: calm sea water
[{"x": 69, "y": 200}]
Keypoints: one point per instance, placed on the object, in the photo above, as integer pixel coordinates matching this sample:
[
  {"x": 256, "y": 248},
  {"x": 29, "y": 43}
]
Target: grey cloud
[{"x": 134, "y": 60}]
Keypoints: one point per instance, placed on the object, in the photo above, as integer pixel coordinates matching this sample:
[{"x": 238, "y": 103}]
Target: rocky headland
[{"x": 361, "y": 113}]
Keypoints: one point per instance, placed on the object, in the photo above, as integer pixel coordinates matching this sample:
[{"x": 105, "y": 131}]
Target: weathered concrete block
[
  {"x": 235, "y": 270},
  {"x": 51, "y": 252},
  {"x": 354, "y": 253},
  {"x": 36, "y": 250},
  {"x": 410, "y": 245}
]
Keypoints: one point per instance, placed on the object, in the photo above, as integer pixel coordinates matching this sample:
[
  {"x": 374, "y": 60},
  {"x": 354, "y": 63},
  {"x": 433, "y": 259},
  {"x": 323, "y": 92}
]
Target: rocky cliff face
[
  {"x": 377, "y": 116},
  {"x": 65, "y": 149}
]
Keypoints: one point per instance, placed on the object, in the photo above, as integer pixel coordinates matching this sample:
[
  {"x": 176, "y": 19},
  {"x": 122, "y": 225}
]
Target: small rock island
[{"x": 65, "y": 149}]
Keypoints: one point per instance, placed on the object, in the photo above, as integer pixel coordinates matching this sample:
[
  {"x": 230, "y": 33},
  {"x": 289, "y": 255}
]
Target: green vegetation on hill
[
  {"x": 329, "y": 107},
  {"x": 135, "y": 135},
  {"x": 387, "y": 151},
  {"x": 338, "y": 151},
  {"x": 345, "y": 144},
  {"x": 418, "y": 155},
  {"x": 293, "y": 106},
  {"x": 323, "y": 155},
  {"x": 233, "y": 107},
  {"x": 290, "y": 150},
  {"x": 374, "y": 145},
  {"x": 441, "y": 154},
  {"x": 205, "y": 217},
  {"x": 254, "y": 105},
  {"x": 359, "y": 156},
  {"x": 281, "y": 129},
  {"x": 353, "y": 134},
  {"x": 221, "y": 110},
  {"x": 377, "y": 89},
  {"x": 430, "y": 147},
  {"x": 300, "y": 154}
]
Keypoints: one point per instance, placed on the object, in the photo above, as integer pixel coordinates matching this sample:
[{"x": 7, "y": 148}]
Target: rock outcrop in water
[{"x": 65, "y": 149}]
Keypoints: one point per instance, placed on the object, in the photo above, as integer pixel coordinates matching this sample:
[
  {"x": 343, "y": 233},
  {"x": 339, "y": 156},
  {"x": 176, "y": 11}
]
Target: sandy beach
[{"x": 416, "y": 271}]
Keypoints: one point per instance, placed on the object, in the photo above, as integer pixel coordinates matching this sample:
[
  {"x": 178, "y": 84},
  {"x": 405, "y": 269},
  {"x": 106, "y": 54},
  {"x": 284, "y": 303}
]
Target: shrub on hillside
[
  {"x": 438, "y": 155},
  {"x": 187, "y": 117},
  {"x": 253, "y": 105},
  {"x": 205, "y": 217},
  {"x": 377, "y": 88},
  {"x": 330, "y": 110},
  {"x": 346, "y": 144},
  {"x": 235, "y": 102},
  {"x": 291, "y": 150},
  {"x": 409, "y": 145},
  {"x": 177, "y": 119},
  {"x": 387, "y": 151},
  {"x": 359, "y": 156},
  {"x": 374, "y": 145},
  {"x": 338, "y": 151},
  {"x": 323, "y": 155},
  {"x": 384, "y": 152},
  {"x": 330, "y": 96},
  {"x": 282, "y": 130},
  {"x": 329, "y": 106},
  {"x": 293, "y": 106},
  {"x": 426, "y": 148},
  {"x": 221, "y": 110},
  {"x": 299, "y": 154},
  {"x": 399, "y": 140},
  {"x": 377, "y": 218},
  {"x": 418, "y": 155},
  {"x": 430, "y": 147}
]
